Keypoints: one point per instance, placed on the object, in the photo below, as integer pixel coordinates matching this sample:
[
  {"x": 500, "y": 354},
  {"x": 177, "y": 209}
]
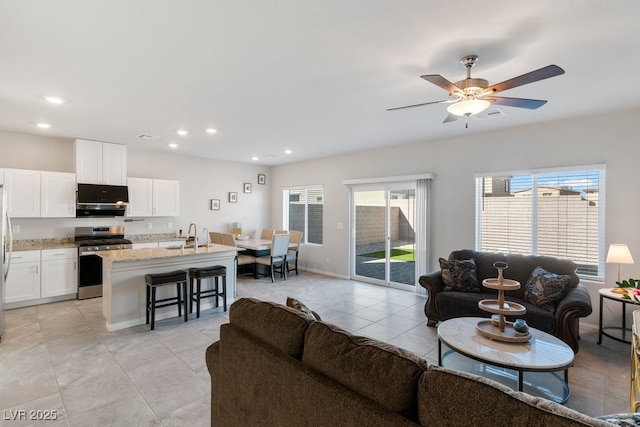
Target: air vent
[
  {"x": 489, "y": 114},
  {"x": 147, "y": 137}
]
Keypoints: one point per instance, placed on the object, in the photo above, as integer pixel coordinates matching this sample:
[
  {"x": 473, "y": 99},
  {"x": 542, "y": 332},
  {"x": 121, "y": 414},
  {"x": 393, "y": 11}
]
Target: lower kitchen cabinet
[
  {"x": 35, "y": 275},
  {"x": 59, "y": 272},
  {"x": 23, "y": 281}
]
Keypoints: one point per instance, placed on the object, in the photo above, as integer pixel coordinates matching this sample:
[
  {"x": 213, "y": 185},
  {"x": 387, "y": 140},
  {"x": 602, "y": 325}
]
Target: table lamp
[{"x": 619, "y": 254}]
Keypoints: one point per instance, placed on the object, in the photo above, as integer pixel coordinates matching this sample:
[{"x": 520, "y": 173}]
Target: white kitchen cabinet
[
  {"x": 58, "y": 194},
  {"x": 171, "y": 243},
  {"x": 153, "y": 197},
  {"x": 1, "y": 176},
  {"x": 59, "y": 272},
  {"x": 144, "y": 245},
  {"x": 166, "y": 197},
  {"x": 23, "y": 192},
  {"x": 23, "y": 282},
  {"x": 100, "y": 162},
  {"x": 140, "y": 197}
]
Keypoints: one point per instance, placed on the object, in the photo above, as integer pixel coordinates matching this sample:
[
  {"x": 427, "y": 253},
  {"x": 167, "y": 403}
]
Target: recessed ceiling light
[
  {"x": 255, "y": 158},
  {"x": 288, "y": 151},
  {"x": 211, "y": 130},
  {"x": 43, "y": 125},
  {"x": 183, "y": 132},
  {"x": 173, "y": 145},
  {"x": 54, "y": 99}
]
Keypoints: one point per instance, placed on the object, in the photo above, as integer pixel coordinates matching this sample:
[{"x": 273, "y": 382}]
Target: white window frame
[
  {"x": 601, "y": 168},
  {"x": 285, "y": 211}
]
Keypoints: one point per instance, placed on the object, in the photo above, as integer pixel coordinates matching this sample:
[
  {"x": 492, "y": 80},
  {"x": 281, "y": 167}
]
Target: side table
[{"x": 623, "y": 332}]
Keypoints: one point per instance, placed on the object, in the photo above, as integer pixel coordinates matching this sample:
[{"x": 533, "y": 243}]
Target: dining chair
[
  {"x": 277, "y": 259},
  {"x": 294, "y": 247},
  {"x": 229, "y": 239},
  {"x": 215, "y": 237},
  {"x": 267, "y": 234}
]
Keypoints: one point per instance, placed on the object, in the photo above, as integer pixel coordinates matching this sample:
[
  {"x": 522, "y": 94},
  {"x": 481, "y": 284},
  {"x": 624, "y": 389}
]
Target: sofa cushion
[
  {"x": 486, "y": 402},
  {"x": 546, "y": 289},
  {"x": 383, "y": 373},
  {"x": 275, "y": 324},
  {"x": 459, "y": 275},
  {"x": 300, "y": 306}
]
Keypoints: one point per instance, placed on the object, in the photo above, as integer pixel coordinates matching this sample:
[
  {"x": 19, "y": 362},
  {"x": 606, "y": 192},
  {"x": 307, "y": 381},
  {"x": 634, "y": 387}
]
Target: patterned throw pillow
[
  {"x": 298, "y": 305},
  {"x": 460, "y": 276},
  {"x": 545, "y": 289}
]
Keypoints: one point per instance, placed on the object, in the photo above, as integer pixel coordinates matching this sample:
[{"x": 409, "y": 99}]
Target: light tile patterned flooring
[{"x": 58, "y": 357}]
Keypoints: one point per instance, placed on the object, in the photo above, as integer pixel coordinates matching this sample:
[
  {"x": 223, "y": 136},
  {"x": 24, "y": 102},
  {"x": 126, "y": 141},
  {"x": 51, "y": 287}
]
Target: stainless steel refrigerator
[{"x": 6, "y": 245}]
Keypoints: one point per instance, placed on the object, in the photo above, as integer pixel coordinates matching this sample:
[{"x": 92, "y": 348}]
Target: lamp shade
[
  {"x": 619, "y": 254},
  {"x": 468, "y": 107}
]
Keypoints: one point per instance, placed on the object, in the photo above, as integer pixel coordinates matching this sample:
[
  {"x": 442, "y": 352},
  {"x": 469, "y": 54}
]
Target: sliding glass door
[{"x": 383, "y": 240}]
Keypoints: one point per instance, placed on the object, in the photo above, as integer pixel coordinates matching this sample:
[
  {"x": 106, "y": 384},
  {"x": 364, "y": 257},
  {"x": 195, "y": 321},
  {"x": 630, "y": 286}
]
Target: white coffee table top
[{"x": 543, "y": 352}]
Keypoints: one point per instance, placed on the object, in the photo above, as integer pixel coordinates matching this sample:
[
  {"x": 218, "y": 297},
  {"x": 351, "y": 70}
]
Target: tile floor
[{"x": 59, "y": 358}]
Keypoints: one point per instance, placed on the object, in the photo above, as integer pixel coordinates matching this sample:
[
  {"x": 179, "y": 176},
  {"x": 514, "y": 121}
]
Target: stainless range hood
[{"x": 99, "y": 201}]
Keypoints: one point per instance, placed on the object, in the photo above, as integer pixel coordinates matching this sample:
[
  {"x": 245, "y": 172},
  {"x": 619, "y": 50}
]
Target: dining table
[{"x": 255, "y": 247}]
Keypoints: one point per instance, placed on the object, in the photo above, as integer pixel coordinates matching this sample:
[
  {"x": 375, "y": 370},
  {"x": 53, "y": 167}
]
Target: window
[
  {"x": 304, "y": 208},
  {"x": 557, "y": 213}
]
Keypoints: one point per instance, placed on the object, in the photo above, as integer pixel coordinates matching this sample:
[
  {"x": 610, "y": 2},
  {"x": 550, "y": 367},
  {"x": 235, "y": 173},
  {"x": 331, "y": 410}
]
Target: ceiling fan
[{"x": 472, "y": 96}]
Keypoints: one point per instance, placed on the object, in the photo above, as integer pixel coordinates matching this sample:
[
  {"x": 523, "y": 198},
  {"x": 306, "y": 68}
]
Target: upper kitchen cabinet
[
  {"x": 100, "y": 162},
  {"x": 140, "y": 197},
  {"x": 23, "y": 192},
  {"x": 166, "y": 197},
  {"x": 58, "y": 194},
  {"x": 153, "y": 197}
]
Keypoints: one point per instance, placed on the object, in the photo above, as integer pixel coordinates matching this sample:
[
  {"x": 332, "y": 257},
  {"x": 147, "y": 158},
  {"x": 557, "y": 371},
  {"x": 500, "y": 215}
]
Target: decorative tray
[
  {"x": 493, "y": 306},
  {"x": 507, "y": 284},
  {"x": 488, "y": 330}
]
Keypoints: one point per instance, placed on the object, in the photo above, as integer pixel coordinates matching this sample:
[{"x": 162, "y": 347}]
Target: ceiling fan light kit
[{"x": 472, "y": 95}]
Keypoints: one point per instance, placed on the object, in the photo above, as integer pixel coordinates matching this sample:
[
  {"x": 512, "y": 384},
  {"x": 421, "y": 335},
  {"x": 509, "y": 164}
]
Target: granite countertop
[
  {"x": 170, "y": 252},
  {"x": 43, "y": 244},
  {"x": 157, "y": 237}
]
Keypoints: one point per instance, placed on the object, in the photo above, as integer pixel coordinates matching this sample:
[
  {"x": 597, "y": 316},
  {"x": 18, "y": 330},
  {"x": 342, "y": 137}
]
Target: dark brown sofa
[
  {"x": 276, "y": 366},
  {"x": 563, "y": 323}
]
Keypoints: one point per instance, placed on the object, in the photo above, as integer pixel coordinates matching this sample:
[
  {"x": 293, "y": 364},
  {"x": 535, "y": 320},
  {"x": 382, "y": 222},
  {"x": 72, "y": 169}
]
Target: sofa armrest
[
  {"x": 432, "y": 282},
  {"x": 212, "y": 358},
  {"x": 576, "y": 304}
]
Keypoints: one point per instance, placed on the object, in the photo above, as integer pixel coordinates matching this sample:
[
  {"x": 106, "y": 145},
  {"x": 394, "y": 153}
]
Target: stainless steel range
[{"x": 91, "y": 240}]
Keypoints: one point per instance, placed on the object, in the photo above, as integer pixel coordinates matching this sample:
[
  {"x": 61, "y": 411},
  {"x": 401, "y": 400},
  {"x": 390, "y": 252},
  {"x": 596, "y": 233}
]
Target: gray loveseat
[
  {"x": 563, "y": 322},
  {"x": 277, "y": 366}
]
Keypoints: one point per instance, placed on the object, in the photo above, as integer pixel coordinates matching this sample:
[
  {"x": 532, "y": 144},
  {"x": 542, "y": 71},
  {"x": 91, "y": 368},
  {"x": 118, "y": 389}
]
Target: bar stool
[
  {"x": 153, "y": 281},
  {"x": 199, "y": 274}
]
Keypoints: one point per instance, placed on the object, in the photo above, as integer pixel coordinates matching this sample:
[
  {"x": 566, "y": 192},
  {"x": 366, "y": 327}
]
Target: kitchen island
[{"x": 124, "y": 289}]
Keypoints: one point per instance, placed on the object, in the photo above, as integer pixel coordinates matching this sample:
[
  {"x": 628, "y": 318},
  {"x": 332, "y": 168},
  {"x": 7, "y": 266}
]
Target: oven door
[{"x": 89, "y": 275}]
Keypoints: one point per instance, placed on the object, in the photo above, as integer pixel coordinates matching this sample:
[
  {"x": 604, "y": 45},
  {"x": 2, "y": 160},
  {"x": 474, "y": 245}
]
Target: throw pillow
[
  {"x": 545, "y": 289},
  {"x": 460, "y": 276},
  {"x": 298, "y": 305}
]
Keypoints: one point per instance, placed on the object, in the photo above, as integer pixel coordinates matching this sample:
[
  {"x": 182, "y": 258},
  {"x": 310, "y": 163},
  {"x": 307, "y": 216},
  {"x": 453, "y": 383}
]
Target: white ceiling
[{"x": 312, "y": 76}]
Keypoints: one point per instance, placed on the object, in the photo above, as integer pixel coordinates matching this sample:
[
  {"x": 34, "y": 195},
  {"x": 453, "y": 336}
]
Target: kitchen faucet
[
  {"x": 195, "y": 234},
  {"x": 206, "y": 235}
]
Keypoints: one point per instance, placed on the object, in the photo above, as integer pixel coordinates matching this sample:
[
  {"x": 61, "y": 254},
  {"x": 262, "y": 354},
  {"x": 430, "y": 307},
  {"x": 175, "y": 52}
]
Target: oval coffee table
[{"x": 543, "y": 353}]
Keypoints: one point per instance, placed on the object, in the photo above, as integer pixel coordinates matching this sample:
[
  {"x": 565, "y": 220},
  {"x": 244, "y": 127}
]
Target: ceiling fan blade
[
  {"x": 450, "y": 118},
  {"x": 533, "y": 76},
  {"x": 418, "y": 105},
  {"x": 438, "y": 80},
  {"x": 531, "y": 104}
]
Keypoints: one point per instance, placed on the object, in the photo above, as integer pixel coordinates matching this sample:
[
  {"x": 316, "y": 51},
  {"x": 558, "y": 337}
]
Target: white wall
[
  {"x": 610, "y": 139},
  {"x": 200, "y": 181}
]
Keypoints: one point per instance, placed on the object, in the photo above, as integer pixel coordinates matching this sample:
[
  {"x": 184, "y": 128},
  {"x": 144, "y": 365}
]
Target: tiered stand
[{"x": 503, "y": 331}]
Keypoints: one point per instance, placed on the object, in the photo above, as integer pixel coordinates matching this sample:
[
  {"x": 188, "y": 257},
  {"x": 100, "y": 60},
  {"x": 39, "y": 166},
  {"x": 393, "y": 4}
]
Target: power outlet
[
  {"x": 149, "y": 226},
  {"x": 15, "y": 229},
  {"x": 169, "y": 225}
]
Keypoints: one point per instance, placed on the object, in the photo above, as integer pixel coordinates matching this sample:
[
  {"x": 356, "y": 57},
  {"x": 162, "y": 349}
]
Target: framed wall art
[
  {"x": 262, "y": 179},
  {"x": 247, "y": 187},
  {"x": 215, "y": 204},
  {"x": 233, "y": 197}
]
